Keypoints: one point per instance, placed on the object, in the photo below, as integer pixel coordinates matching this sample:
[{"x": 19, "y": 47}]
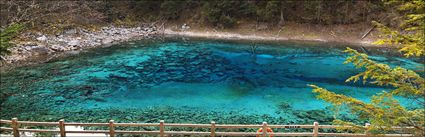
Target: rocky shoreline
[
  {"x": 38, "y": 47},
  {"x": 71, "y": 40}
]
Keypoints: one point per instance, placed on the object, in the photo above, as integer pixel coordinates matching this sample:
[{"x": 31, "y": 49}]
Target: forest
[{"x": 219, "y": 13}]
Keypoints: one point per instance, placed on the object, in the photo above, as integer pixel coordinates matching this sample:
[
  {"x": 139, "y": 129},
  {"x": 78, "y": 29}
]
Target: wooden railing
[{"x": 15, "y": 129}]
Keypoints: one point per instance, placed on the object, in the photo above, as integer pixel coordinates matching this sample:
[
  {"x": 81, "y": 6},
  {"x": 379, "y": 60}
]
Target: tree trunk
[{"x": 282, "y": 20}]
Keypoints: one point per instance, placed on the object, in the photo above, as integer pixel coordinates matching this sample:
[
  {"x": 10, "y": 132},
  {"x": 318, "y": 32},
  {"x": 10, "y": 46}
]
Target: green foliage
[
  {"x": 170, "y": 9},
  {"x": 167, "y": 9},
  {"x": 269, "y": 10},
  {"x": 411, "y": 44},
  {"x": 224, "y": 13},
  {"x": 6, "y": 35},
  {"x": 407, "y": 82},
  {"x": 412, "y": 38},
  {"x": 147, "y": 8},
  {"x": 273, "y": 9},
  {"x": 384, "y": 111}
]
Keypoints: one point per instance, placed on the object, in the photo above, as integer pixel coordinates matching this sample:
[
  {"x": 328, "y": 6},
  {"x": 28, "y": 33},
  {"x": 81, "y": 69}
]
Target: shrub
[{"x": 6, "y": 35}]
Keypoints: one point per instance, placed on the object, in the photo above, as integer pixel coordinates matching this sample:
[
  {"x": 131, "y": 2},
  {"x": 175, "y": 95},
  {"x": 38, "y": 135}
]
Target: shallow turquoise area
[{"x": 213, "y": 78}]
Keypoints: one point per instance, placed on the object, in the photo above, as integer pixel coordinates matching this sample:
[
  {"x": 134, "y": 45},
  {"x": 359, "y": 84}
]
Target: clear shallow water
[{"x": 232, "y": 78}]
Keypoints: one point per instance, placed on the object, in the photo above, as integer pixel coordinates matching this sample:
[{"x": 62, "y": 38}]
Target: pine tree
[
  {"x": 6, "y": 35},
  {"x": 384, "y": 111}
]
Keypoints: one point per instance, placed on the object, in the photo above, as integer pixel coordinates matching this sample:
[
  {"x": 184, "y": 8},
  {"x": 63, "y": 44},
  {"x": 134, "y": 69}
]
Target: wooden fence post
[
  {"x": 316, "y": 129},
  {"x": 264, "y": 129},
  {"x": 15, "y": 127},
  {"x": 62, "y": 128},
  {"x": 366, "y": 125},
  {"x": 111, "y": 128},
  {"x": 161, "y": 128},
  {"x": 212, "y": 129}
]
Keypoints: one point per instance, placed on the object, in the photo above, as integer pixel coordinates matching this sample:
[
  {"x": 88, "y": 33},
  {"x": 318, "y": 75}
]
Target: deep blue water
[{"x": 242, "y": 78}]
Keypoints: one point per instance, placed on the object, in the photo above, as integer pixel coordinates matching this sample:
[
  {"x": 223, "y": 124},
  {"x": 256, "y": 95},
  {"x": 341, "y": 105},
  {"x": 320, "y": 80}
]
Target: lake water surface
[{"x": 188, "y": 81}]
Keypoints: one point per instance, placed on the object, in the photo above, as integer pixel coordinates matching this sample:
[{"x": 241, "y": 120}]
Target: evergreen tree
[
  {"x": 170, "y": 9},
  {"x": 384, "y": 111},
  {"x": 6, "y": 35}
]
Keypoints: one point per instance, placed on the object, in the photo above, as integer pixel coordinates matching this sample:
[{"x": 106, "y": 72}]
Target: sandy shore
[{"x": 261, "y": 36}]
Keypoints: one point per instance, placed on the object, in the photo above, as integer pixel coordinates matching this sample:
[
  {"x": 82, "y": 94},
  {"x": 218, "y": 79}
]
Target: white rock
[
  {"x": 71, "y": 31},
  {"x": 95, "y": 44},
  {"x": 107, "y": 41},
  {"x": 185, "y": 26},
  {"x": 73, "y": 43},
  {"x": 42, "y": 38},
  {"x": 60, "y": 40},
  {"x": 57, "y": 48}
]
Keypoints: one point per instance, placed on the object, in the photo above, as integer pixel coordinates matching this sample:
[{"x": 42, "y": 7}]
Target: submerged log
[{"x": 364, "y": 49}]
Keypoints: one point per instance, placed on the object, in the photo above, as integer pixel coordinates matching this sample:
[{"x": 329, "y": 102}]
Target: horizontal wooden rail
[
  {"x": 38, "y": 130},
  {"x": 61, "y": 130},
  {"x": 39, "y": 123},
  {"x": 363, "y": 135},
  {"x": 293, "y": 134},
  {"x": 188, "y": 125},
  {"x": 237, "y": 126},
  {"x": 6, "y": 128},
  {"x": 86, "y": 124},
  {"x": 187, "y": 133},
  {"x": 291, "y": 126},
  {"x": 136, "y": 124},
  {"x": 89, "y": 131},
  {"x": 136, "y": 132},
  {"x": 6, "y": 121}
]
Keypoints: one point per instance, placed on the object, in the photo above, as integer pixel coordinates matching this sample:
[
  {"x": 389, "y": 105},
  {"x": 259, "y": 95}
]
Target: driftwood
[
  {"x": 162, "y": 27},
  {"x": 280, "y": 30},
  {"x": 368, "y": 32}
]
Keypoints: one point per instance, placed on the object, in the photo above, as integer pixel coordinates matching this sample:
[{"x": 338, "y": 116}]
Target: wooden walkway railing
[{"x": 15, "y": 128}]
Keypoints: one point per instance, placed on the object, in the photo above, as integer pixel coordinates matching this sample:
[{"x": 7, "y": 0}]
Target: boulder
[{"x": 41, "y": 50}]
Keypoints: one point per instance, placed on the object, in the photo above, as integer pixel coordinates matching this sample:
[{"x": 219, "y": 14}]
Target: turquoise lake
[{"x": 189, "y": 80}]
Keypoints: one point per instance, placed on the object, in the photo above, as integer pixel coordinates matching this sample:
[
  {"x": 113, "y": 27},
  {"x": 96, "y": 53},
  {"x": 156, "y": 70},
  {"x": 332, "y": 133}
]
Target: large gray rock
[{"x": 41, "y": 50}]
